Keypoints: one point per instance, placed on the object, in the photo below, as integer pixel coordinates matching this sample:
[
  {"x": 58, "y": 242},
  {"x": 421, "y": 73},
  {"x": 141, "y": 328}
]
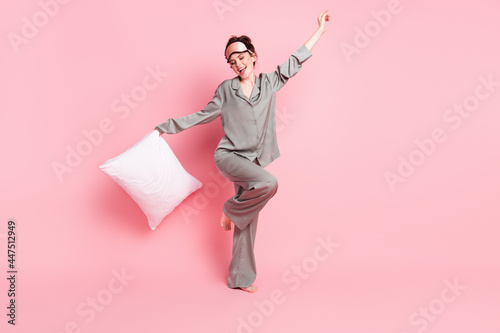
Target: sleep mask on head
[{"x": 236, "y": 47}]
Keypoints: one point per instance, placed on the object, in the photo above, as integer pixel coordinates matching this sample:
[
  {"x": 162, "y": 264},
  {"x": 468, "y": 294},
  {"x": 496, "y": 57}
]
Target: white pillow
[{"x": 151, "y": 174}]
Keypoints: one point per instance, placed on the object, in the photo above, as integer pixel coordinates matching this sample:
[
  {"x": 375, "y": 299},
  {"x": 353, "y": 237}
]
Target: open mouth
[{"x": 242, "y": 70}]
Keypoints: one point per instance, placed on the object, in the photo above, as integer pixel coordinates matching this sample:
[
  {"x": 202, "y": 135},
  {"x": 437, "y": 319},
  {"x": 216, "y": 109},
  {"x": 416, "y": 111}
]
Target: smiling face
[{"x": 242, "y": 64}]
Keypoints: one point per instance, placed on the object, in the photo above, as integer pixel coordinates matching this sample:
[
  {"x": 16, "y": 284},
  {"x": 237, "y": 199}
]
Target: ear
[{"x": 254, "y": 57}]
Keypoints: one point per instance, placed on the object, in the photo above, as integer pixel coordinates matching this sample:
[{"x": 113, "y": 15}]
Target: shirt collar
[{"x": 235, "y": 84}]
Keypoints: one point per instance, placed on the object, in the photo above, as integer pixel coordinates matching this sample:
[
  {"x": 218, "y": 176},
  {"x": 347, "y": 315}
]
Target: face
[{"x": 242, "y": 64}]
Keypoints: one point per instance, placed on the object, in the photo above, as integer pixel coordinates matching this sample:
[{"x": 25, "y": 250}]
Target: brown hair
[{"x": 243, "y": 39}]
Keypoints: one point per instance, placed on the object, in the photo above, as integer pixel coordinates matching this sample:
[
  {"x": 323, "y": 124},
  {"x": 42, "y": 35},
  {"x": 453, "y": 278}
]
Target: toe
[{"x": 250, "y": 289}]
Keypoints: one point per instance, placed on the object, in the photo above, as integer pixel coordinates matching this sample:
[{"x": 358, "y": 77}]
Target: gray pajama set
[{"x": 249, "y": 145}]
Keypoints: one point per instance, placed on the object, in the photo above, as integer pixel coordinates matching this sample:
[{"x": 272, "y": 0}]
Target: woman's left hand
[{"x": 322, "y": 19}]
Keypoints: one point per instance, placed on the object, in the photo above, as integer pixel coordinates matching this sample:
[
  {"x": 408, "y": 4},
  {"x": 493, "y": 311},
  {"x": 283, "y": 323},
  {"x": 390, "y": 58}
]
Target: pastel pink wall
[{"x": 346, "y": 123}]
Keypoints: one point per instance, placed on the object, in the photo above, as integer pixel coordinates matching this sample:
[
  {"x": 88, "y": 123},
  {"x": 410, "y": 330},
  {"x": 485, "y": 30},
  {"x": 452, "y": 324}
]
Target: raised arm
[
  {"x": 287, "y": 70},
  {"x": 322, "y": 19}
]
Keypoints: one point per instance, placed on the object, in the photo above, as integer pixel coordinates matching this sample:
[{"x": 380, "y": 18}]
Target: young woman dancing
[{"x": 245, "y": 104}]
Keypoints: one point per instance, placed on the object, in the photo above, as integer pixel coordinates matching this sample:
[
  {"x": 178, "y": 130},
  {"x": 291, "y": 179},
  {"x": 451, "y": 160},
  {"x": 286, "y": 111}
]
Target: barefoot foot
[
  {"x": 225, "y": 222},
  {"x": 250, "y": 289}
]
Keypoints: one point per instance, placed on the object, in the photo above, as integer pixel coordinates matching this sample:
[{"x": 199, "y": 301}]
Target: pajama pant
[{"x": 253, "y": 187}]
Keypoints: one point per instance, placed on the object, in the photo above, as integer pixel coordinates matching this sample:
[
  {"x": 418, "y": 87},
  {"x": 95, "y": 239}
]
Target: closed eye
[{"x": 232, "y": 62}]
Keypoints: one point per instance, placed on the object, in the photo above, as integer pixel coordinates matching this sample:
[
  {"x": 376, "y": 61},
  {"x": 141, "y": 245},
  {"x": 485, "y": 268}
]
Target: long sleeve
[
  {"x": 209, "y": 113},
  {"x": 291, "y": 67}
]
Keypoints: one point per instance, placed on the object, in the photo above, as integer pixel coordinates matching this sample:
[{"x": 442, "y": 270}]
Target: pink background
[{"x": 344, "y": 121}]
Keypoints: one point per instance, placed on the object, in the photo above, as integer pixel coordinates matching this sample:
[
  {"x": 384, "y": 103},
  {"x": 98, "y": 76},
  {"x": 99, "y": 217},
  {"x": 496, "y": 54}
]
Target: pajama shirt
[{"x": 249, "y": 144}]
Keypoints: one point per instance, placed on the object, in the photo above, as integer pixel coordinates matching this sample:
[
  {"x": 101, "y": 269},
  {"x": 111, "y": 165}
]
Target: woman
[{"x": 246, "y": 107}]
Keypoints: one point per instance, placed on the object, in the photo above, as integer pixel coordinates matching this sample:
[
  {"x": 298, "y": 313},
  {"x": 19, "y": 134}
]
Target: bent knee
[{"x": 270, "y": 184}]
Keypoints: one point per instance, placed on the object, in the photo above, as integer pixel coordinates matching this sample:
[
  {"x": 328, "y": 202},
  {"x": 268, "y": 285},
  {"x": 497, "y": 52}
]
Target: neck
[{"x": 250, "y": 80}]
